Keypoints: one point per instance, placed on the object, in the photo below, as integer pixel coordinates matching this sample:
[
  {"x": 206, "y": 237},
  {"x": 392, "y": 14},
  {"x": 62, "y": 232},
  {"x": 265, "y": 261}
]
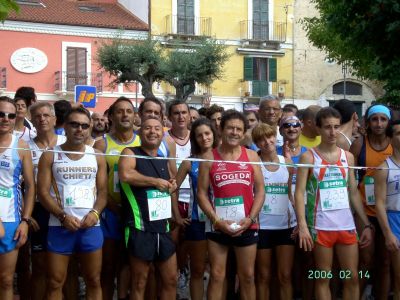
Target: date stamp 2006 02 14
[{"x": 341, "y": 274}]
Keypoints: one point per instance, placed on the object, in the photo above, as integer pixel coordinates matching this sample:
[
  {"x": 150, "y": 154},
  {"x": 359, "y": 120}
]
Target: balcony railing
[
  {"x": 3, "y": 77},
  {"x": 259, "y": 88},
  {"x": 65, "y": 82},
  {"x": 202, "y": 90},
  {"x": 263, "y": 31},
  {"x": 187, "y": 26}
]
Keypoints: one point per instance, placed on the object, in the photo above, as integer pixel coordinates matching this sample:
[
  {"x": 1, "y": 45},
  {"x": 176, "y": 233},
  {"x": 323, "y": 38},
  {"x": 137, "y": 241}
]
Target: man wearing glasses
[
  {"x": 270, "y": 112},
  {"x": 14, "y": 215},
  {"x": 72, "y": 186}
]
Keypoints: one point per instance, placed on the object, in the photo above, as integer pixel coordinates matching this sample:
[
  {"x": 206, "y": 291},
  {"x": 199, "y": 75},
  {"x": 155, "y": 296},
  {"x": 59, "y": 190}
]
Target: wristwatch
[
  {"x": 27, "y": 220},
  {"x": 61, "y": 217}
]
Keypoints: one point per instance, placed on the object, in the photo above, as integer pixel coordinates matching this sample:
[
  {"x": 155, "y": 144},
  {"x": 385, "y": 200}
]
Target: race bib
[
  {"x": 116, "y": 179},
  {"x": 78, "y": 196},
  {"x": 201, "y": 214},
  {"x": 230, "y": 208},
  {"x": 159, "y": 205},
  {"x": 276, "y": 200},
  {"x": 6, "y": 199},
  {"x": 333, "y": 194},
  {"x": 369, "y": 190}
]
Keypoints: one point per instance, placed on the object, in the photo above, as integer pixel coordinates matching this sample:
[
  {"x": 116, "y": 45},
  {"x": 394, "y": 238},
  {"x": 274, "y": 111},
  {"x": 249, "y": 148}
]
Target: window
[
  {"x": 90, "y": 8},
  {"x": 260, "y": 71},
  {"x": 185, "y": 17},
  {"x": 352, "y": 88},
  {"x": 260, "y": 20},
  {"x": 76, "y": 67},
  {"x": 30, "y": 2}
]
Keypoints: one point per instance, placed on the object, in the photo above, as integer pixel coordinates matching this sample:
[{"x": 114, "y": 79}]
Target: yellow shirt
[
  {"x": 309, "y": 142},
  {"x": 115, "y": 147}
]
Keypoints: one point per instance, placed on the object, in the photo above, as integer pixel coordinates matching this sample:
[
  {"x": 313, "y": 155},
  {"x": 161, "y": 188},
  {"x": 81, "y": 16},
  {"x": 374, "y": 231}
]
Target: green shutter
[
  {"x": 272, "y": 69},
  {"x": 248, "y": 68}
]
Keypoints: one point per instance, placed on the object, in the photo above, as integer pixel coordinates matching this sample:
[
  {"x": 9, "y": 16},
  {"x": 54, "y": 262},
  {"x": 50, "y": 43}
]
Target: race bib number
[
  {"x": 6, "y": 198},
  {"x": 276, "y": 200},
  {"x": 78, "y": 196},
  {"x": 333, "y": 194},
  {"x": 230, "y": 208},
  {"x": 116, "y": 180},
  {"x": 159, "y": 205},
  {"x": 369, "y": 190}
]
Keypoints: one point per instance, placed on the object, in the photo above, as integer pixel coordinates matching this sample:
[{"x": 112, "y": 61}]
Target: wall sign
[{"x": 28, "y": 60}]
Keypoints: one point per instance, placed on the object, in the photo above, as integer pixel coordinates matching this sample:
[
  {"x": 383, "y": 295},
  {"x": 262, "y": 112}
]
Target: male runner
[{"x": 73, "y": 188}]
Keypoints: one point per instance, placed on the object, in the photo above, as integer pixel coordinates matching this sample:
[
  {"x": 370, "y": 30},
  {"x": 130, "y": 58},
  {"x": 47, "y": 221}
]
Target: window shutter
[
  {"x": 272, "y": 69},
  {"x": 248, "y": 69}
]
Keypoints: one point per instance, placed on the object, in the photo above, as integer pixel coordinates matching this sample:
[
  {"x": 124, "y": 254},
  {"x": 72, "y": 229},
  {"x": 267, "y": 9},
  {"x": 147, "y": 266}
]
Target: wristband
[
  {"x": 96, "y": 213},
  {"x": 370, "y": 226},
  {"x": 27, "y": 220},
  {"x": 61, "y": 217},
  {"x": 215, "y": 220}
]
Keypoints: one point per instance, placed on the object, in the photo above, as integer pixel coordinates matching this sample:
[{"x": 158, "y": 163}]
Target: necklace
[{"x": 179, "y": 138}]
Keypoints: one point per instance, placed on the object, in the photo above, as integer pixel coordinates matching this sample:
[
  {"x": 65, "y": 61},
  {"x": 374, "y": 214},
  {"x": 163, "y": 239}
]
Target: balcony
[
  {"x": 187, "y": 27},
  {"x": 65, "y": 82},
  {"x": 3, "y": 78},
  {"x": 263, "y": 31},
  {"x": 258, "y": 88}
]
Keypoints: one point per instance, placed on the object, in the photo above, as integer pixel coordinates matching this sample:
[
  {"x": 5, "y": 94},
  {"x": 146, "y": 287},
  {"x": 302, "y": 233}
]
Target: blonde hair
[{"x": 262, "y": 130}]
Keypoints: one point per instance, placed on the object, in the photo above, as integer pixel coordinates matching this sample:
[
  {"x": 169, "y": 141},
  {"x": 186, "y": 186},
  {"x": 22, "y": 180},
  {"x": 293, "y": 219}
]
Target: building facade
[
  {"x": 258, "y": 36},
  {"x": 51, "y": 45}
]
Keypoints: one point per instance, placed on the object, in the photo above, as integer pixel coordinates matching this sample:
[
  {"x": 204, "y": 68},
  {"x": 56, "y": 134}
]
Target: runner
[
  {"x": 238, "y": 195},
  {"x": 329, "y": 226},
  {"x": 73, "y": 188},
  {"x": 347, "y": 110},
  {"x": 309, "y": 135},
  {"x": 20, "y": 130},
  {"x": 121, "y": 135},
  {"x": 203, "y": 138},
  {"x": 44, "y": 120},
  {"x": 146, "y": 196},
  {"x": 270, "y": 112},
  {"x": 99, "y": 125},
  {"x": 387, "y": 195},
  {"x": 371, "y": 150},
  {"x": 277, "y": 218},
  {"x": 15, "y": 210}
]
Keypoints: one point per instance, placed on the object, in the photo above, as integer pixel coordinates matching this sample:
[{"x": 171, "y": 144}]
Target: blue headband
[{"x": 379, "y": 109}]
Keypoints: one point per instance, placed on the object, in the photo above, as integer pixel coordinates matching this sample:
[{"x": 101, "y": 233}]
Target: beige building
[{"x": 317, "y": 80}]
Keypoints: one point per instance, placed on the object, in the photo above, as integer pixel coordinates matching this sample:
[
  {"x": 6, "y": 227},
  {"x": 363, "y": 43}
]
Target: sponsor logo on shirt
[
  {"x": 243, "y": 166},
  {"x": 221, "y": 166},
  {"x": 224, "y": 178},
  {"x": 4, "y": 164}
]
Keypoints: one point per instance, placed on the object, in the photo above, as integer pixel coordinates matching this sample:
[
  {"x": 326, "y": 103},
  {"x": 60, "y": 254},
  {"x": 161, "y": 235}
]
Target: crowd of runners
[{"x": 278, "y": 203}]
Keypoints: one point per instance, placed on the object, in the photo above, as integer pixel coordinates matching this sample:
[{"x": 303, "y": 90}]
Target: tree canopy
[
  {"x": 5, "y": 7},
  {"x": 182, "y": 66},
  {"x": 365, "y": 35}
]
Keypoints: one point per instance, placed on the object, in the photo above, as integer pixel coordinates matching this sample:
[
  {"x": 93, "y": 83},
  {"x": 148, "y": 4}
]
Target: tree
[
  {"x": 364, "y": 34},
  {"x": 6, "y": 6},
  {"x": 147, "y": 61}
]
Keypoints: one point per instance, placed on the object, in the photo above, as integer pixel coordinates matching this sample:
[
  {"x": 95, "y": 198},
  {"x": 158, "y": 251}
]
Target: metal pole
[
  {"x": 136, "y": 100},
  {"x": 344, "y": 70}
]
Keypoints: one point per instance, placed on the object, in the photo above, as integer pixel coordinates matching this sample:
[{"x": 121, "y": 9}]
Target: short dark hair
[
  {"x": 150, "y": 99},
  {"x": 324, "y": 113},
  {"x": 175, "y": 103},
  {"x": 77, "y": 110},
  {"x": 310, "y": 112},
  {"x": 290, "y": 107},
  {"x": 232, "y": 114},
  {"x": 19, "y": 99},
  {"x": 346, "y": 108},
  {"x": 27, "y": 93},
  {"x": 249, "y": 112},
  {"x": 214, "y": 109},
  {"x": 389, "y": 131},
  {"x": 8, "y": 100},
  {"x": 120, "y": 99},
  {"x": 61, "y": 108},
  {"x": 203, "y": 111},
  {"x": 195, "y": 148}
]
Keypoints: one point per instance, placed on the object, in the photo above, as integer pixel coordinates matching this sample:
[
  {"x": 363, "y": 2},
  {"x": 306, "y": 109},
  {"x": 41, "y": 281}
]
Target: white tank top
[
  {"x": 328, "y": 206},
  {"x": 183, "y": 152},
  {"x": 10, "y": 189},
  {"x": 277, "y": 211},
  {"x": 393, "y": 186},
  {"x": 76, "y": 183}
]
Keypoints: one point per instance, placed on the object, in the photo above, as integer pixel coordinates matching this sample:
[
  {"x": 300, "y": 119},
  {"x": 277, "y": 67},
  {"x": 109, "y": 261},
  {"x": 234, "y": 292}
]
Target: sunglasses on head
[
  {"x": 10, "y": 116},
  {"x": 288, "y": 125},
  {"x": 77, "y": 125}
]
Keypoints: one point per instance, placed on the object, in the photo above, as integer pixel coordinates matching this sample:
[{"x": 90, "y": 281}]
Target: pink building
[{"x": 51, "y": 45}]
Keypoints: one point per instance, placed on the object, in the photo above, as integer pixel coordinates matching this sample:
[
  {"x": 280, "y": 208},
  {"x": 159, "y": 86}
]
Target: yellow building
[{"x": 257, "y": 33}]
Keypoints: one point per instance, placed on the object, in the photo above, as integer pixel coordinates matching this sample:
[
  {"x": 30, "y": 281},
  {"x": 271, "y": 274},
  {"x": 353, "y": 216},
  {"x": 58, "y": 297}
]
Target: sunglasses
[
  {"x": 10, "y": 116},
  {"x": 288, "y": 125},
  {"x": 76, "y": 125}
]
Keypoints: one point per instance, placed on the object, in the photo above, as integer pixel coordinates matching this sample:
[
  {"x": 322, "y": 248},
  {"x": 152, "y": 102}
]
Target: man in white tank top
[
  {"x": 73, "y": 188},
  {"x": 14, "y": 214},
  {"x": 387, "y": 197},
  {"x": 329, "y": 227}
]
